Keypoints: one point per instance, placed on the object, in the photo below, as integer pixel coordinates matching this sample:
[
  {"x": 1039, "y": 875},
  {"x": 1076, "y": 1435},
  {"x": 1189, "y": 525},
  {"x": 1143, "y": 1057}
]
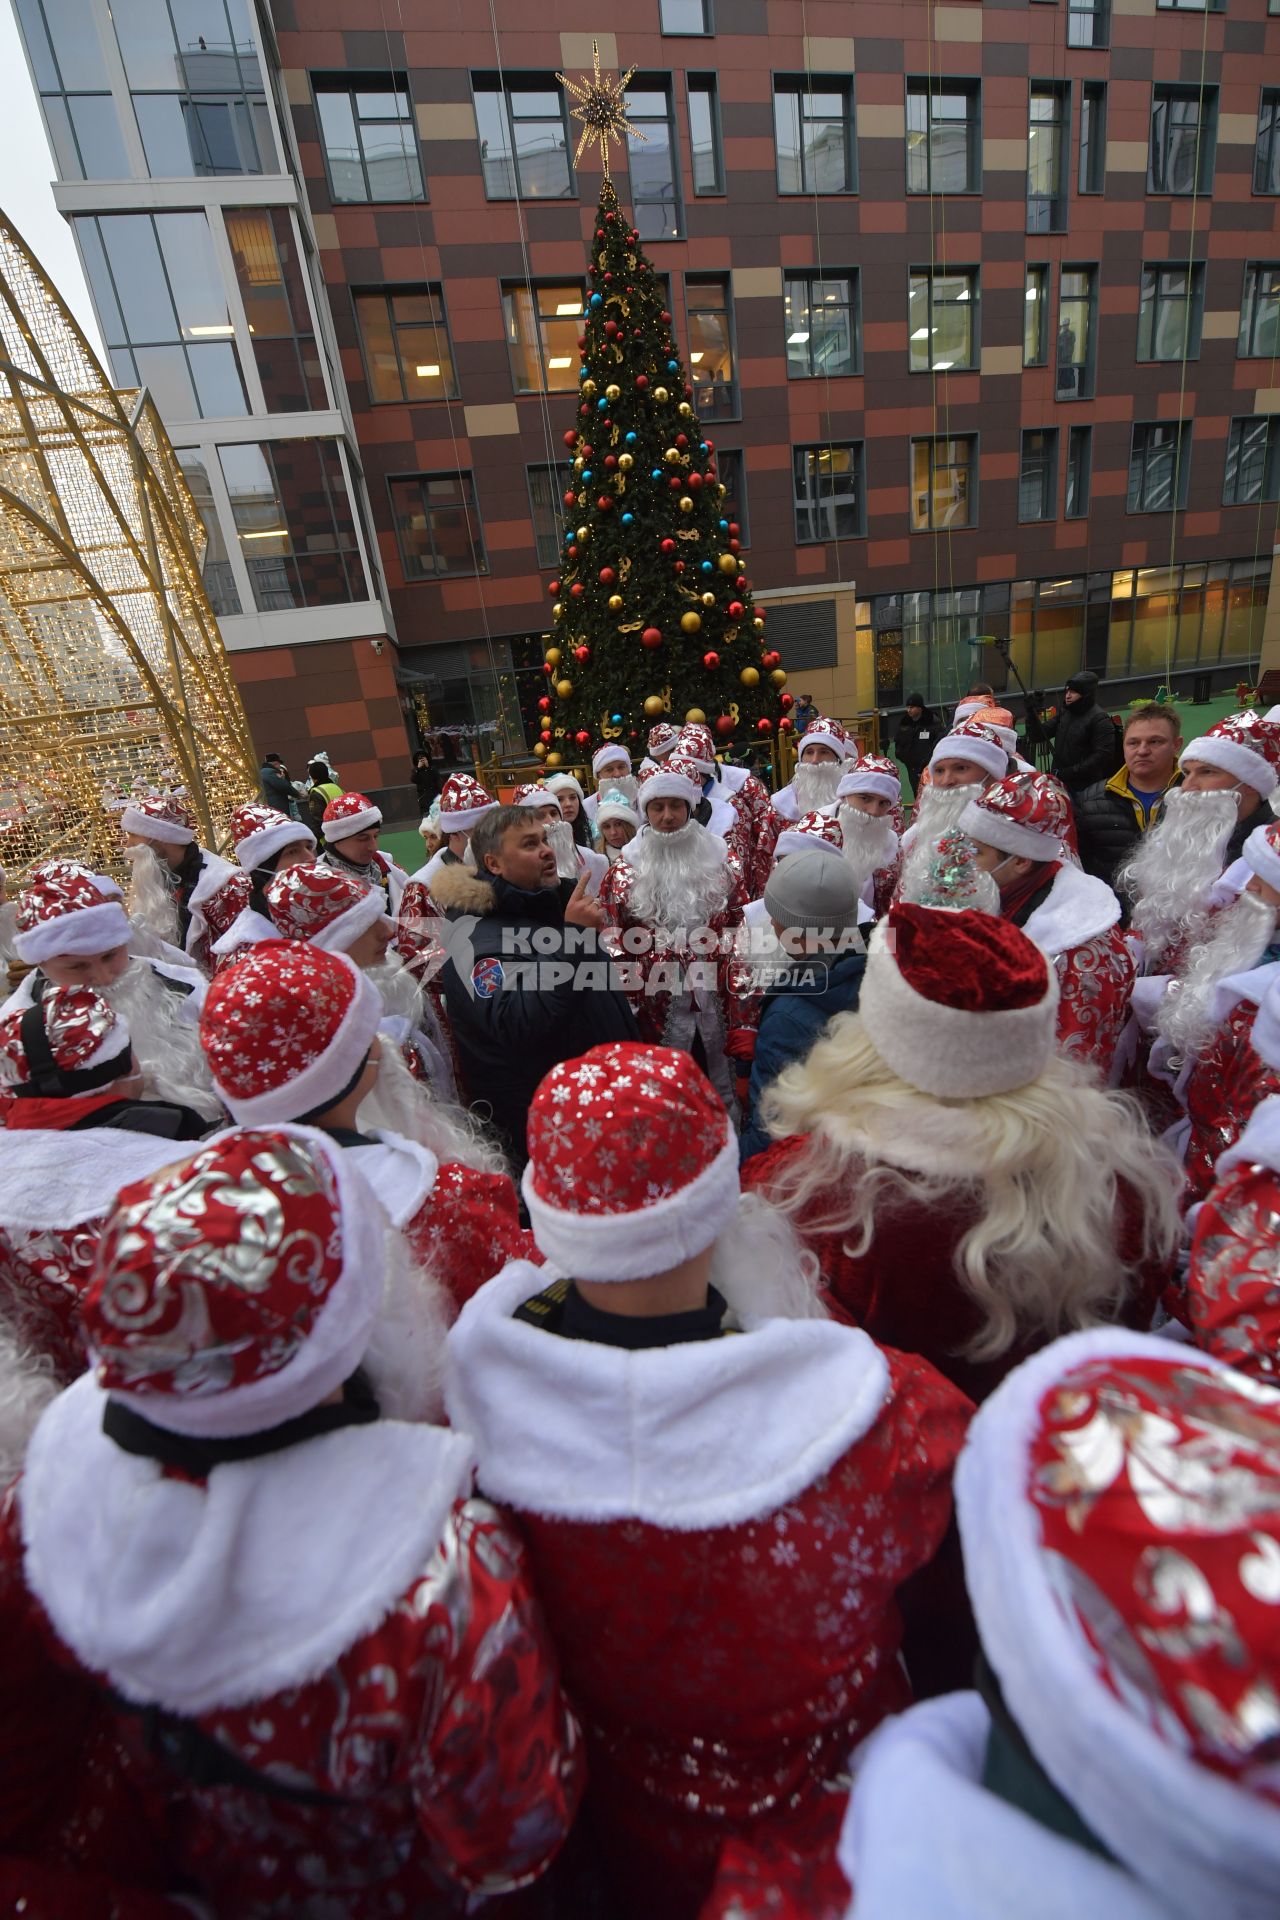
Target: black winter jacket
[
  {"x": 1084, "y": 737},
  {"x": 513, "y": 1015},
  {"x": 1107, "y": 828},
  {"x": 914, "y": 741}
]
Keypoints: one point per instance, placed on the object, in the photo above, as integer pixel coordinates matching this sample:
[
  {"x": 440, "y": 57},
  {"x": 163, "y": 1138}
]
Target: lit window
[
  {"x": 711, "y": 374},
  {"x": 1035, "y": 318},
  {"x": 829, "y": 491},
  {"x": 407, "y": 355},
  {"x": 542, "y": 327},
  {"x": 942, "y": 315},
  {"x": 820, "y": 313},
  {"x": 273, "y": 289},
  {"x": 944, "y": 483}
]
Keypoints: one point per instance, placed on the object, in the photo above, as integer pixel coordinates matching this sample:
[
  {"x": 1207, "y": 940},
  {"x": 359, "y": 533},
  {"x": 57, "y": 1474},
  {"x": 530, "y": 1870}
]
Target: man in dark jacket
[
  {"x": 1112, "y": 815},
  {"x": 277, "y": 788},
  {"x": 526, "y": 982},
  {"x": 1084, "y": 737},
  {"x": 919, "y": 731}
]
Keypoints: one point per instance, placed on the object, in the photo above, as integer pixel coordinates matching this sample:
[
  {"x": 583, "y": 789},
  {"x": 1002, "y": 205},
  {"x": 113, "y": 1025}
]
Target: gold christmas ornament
[
  {"x": 552, "y": 656},
  {"x": 758, "y": 624},
  {"x": 750, "y": 676},
  {"x": 653, "y": 706},
  {"x": 613, "y": 393},
  {"x": 540, "y": 751},
  {"x": 553, "y": 759},
  {"x": 721, "y": 490},
  {"x": 695, "y": 717},
  {"x": 583, "y": 532},
  {"x": 564, "y": 689},
  {"x": 686, "y": 411},
  {"x": 615, "y": 603},
  {"x": 708, "y": 599},
  {"x": 661, "y": 395},
  {"x": 728, "y": 563},
  {"x": 690, "y": 622},
  {"x": 626, "y": 462},
  {"x": 778, "y": 677},
  {"x": 588, "y": 389},
  {"x": 556, "y": 611},
  {"x": 579, "y": 464},
  {"x": 672, "y": 456},
  {"x": 686, "y": 504}
]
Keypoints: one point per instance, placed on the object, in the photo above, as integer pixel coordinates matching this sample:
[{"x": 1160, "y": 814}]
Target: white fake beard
[
  {"x": 1239, "y": 936},
  {"x": 165, "y": 1044},
  {"x": 869, "y": 841},
  {"x": 398, "y": 1103},
  {"x": 937, "y": 811},
  {"x": 682, "y": 878},
  {"x": 398, "y": 990},
  {"x": 469, "y": 856},
  {"x": 150, "y": 897},
  {"x": 561, "y": 841},
  {"x": 814, "y": 787},
  {"x": 405, "y": 1355},
  {"x": 8, "y": 930},
  {"x": 923, "y": 887},
  {"x": 622, "y": 783},
  {"x": 1177, "y": 863},
  {"x": 761, "y": 1267}
]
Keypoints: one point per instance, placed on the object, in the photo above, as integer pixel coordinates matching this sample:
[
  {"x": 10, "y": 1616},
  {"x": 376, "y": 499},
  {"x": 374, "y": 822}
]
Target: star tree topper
[{"x": 601, "y": 109}]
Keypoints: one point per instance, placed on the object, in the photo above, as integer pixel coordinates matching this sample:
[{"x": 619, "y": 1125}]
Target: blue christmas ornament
[
  {"x": 656, "y": 474},
  {"x": 627, "y": 518},
  {"x": 724, "y": 526},
  {"x": 673, "y": 366},
  {"x": 616, "y": 718},
  {"x": 705, "y": 448},
  {"x": 597, "y": 299},
  {"x": 582, "y": 372},
  {"x": 601, "y": 404},
  {"x": 706, "y": 565},
  {"x": 631, "y": 439},
  {"x": 586, "y": 477}
]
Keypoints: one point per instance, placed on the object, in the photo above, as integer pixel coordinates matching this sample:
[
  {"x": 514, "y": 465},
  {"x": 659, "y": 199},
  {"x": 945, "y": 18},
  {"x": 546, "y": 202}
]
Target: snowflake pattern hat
[
  {"x": 286, "y": 1031},
  {"x": 694, "y": 743},
  {"x": 463, "y": 803},
  {"x": 662, "y": 739},
  {"x": 979, "y": 744},
  {"x": 676, "y": 779},
  {"x": 958, "y": 1004},
  {"x": 349, "y": 814},
  {"x": 1244, "y": 746},
  {"x": 875, "y": 773},
  {"x": 328, "y": 909},
  {"x": 66, "y": 909},
  {"x": 161, "y": 816},
  {"x": 633, "y": 1165},
  {"x": 1119, "y": 1506},
  {"x": 238, "y": 1288},
  {"x": 260, "y": 832},
  {"x": 811, "y": 830},
  {"x": 534, "y": 795},
  {"x": 1027, "y": 814},
  {"x": 824, "y": 732},
  {"x": 71, "y": 1041}
]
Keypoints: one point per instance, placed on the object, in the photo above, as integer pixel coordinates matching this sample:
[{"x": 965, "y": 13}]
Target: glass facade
[
  {"x": 654, "y": 162},
  {"x": 944, "y": 136},
  {"x": 942, "y": 314},
  {"x": 944, "y": 483},
  {"x": 1048, "y": 147},
  {"x": 273, "y": 289},
  {"x": 821, "y": 319},
  {"x": 709, "y": 305},
  {"x": 829, "y": 491},
  {"x": 1159, "y": 466},
  {"x": 547, "y": 509},
  {"x": 437, "y": 525},
  {"x": 1260, "y": 312},
  {"x": 1077, "y": 324},
  {"x": 1169, "y": 312},
  {"x": 814, "y": 134},
  {"x": 66, "y": 57},
  {"x": 1253, "y": 461},
  {"x": 370, "y": 137},
  {"x": 524, "y": 137},
  {"x": 542, "y": 336},
  {"x": 1037, "y": 474},
  {"x": 219, "y": 577},
  {"x": 1183, "y": 134},
  {"x": 292, "y": 512},
  {"x": 197, "y": 87},
  {"x": 1035, "y": 319},
  {"x": 704, "y": 133}
]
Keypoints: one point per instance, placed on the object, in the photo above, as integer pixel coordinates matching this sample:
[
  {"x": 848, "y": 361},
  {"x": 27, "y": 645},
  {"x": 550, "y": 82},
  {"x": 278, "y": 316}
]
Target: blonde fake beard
[
  {"x": 1238, "y": 937},
  {"x": 166, "y": 1044},
  {"x": 814, "y": 787},
  {"x": 1176, "y": 864},
  {"x": 869, "y": 842},
  {"x": 561, "y": 841},
  {"x": 397, "y": 1103},
  {"x": 682, "y": 878},
  {"x": 150, "y": 897}
]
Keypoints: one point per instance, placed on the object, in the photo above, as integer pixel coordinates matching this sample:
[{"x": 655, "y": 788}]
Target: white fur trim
[
  {"x": 608, "y": 756},
  {"x": 134, "y": 820},
  {"x": 194, "y": 1598},
  {"x": 325, "y": 1076},
  {"x": 992, "y": 829},
  {"x": 54, "y": 1179},
  {"x": 888, "y": 786},
  {"x": 987, "y": 754},
  {"x": 340, "y": 933},
  {"x": 1080, "y": 907},
  {"x": 631, "y": 1246},
  {"x": 711, "y": 1434},
  {"x": 785, "y": 804},
  {"x": 257, "y": 847},
  {"x": 88, "y": 930},
  {"x": 1233, "y": 757},
  {"x": 1251, "y": 986},
  {"x": 620, "y": 809},
  {"x": 666, "y": 784},
  {"x": 1258, "y": 1145},
  {"x": 248, "y": 929},
  {"x": 1207, "y": 1843},
  {"x": 595, "y": 866},
  {"x": 565, "y": 783},
  {"x": 840, "y": 744},
  {"x": 967, "y": 708},
  {"x": 1262, "y": 857},
  {"x": 350, "y": 824},
  {"x": 400, "y": 1172},
  {"x": 952, "y": 1051},
  {"x": 466, "y": 817},
  {"x": 214, "y": 874}
]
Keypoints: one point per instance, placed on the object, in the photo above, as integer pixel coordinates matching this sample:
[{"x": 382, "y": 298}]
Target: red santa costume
[
  {"x": 661, "y": 744},
  {"x": 297, "y": 1604},
  {"x": 463, "y": 805},
  {"x": 1233, "y": 1280},
  {"x": 723, "y": 787},
  {"x": 814, "y": 783},
  {"x": 872, "y": 843},
  {"x": 610, "y": 767},
  {"x": 1072, "y": 915},
  {"x": 938, "y": 808},
  {"x": 68, "y": 1060},
  {"x": 287, "y": 1031},
  {"x": 726, "y": 1612},
  {"x": 353, "y": 813},
  {"x": 160, "y": 895},
  {"x": 572, "y": 861},
  {"x": 1119, "y": 1507},
  {"x": 938, "y": 1131},
  {"x": 235, "y": 914},
  {"x": 673, "y": 901}
]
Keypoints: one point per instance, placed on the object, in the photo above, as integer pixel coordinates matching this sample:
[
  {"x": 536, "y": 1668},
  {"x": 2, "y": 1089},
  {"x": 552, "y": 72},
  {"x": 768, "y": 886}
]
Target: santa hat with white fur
[
  {"x": 287, "y": 1030},
  {"x": 825, "y": 732},
  {"x": 1262, "y": 852},
  {"x": 662, "y": 739},
  {"x": 664, "y": 1196},
  {"x": 66, "y": 909},
  {"x": 1026, "y": 814},
  {"x": 260, "y": 832},
  {"x": 696, "y": 745},
  {"x": 349, "y": 814},
  {"x": 811, "y": 830},
  {"x": 464, "y": 803},
  {"x": 676, "y": 780},
  {"x": 973, "y": 742},
  {"x": 559, "y": 783},
  {"x": 616, "y": 806},
  {"x": 1244, "y": 746},
  {"x": 161, "y": 816},
  {"x": 611, "y": 754},
  {"x": 317, "y": 904},
  {"x": 875, "y": 773},
  {"x": 958, "y": 1004},
  {"x": 533, "y": 795}
]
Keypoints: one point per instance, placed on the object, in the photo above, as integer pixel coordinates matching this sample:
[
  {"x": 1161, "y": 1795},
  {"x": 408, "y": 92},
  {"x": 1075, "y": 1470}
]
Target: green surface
[{"x": 408, "y": 850}]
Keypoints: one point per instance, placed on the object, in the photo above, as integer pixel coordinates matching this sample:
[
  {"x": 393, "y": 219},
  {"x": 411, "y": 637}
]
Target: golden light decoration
[
  {"x": 601, "y": 108},
  {"x": 114, "y": 681}
]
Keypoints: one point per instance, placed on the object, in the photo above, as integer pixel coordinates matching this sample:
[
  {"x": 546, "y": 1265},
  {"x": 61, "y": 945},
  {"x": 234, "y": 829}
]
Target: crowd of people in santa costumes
[{"x": 703, "y": 1354}]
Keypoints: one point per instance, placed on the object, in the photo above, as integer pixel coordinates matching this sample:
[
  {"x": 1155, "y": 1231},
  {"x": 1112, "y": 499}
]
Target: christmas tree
[{"x": 653, "y": 615}]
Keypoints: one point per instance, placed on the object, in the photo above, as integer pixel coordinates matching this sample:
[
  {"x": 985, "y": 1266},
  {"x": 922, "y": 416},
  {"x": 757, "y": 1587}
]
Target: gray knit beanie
[{"x": 813, "y": 890}]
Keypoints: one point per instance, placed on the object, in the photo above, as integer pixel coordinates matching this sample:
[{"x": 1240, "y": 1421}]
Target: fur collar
[
  {"x": 50, "y": 1180},
  {"x": 1079, "y": 908},
  {"x": 460, "y": 889},
  {"x": 1251, "y": 986},
  {"x": 712, "y": 1434},
  {"x": 401, "y": 1173},
  {"x": 784, "y": 803},
  {"x": 214, "y": 873},
  {"x": 194, "y": 1598},
  {"x": 248, "y": 929},
  {"x": 1258, "y": 1145}
]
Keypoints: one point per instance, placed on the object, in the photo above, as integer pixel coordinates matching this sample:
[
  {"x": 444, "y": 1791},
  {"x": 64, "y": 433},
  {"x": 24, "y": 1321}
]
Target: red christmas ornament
[
  {"x": 695, "y": 481},
  {"x": 570, "y": 497},
  {"x": 610, "y": 462},
  {"x": 688, "y": 391},
  {"x": 546, "y": 666},
  {"x": 679, "y": 566},
  {"x": 681, "y": 441},
  {"x": 676, "y": 482},
  {"x": 573, "y": 553},
  {"x": 741, "y": 583},
  {"x": 606, "y": 424},
  {"x": 772, "y": 660},
  {"x": 577, "y": 590},
  {"x": 785, "y": 725},
  {"x": 608, "y": 279},
  {"x": 642, "y": 381},
  {"x": 725, "y": 723},
  {"x": 584, "y": 410},
  {"x": 711, "y": 661},
  {"x": 710, "y": 446},
  {"x": 599, "y": 233},
  {"x": 604, "y": 503},
  {"x": 633, "y": 735},
  {"x": 651, "y": 637},
  {"x": 554, "y": 588},
  {"x": 762, "y": 612},
  {"x": 735, "y": 546},
  {"x": 607, "y": 576},
  {"x": 583, "y": 739},
  {"x": 785, "y": 701},
  {"x": 582, "y": 343},
  {"x": 764, "y": 725},
  {"x": 666, "y": 318},
  {"x": 610, "y": 218},
  {"x": 637, "y": 333},
  {"x": 734, "y": 528},
  {"x": 587, "y": 452},
  {"x": 582, "y": 655},
  {"x": 668, "y": 546},
  {"x": 571, "y": 437},
  {"x": 610, "y": 327},
  {"x": 736, "y": 609},
  {"x": 544, "y": 704}
]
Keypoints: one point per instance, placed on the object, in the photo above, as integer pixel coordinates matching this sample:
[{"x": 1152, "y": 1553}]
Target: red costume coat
[
  {"x": 1233, "y": 1283},
  {"x": 1078, "y": 926},
  {"x": 390, "y": 1658},
  {"x": 1222, "y": 1090},
  {"x": 663, "y": 1020},
  {"x": 904, "y": 1289},
  {"x": 717, "y": 1532}
]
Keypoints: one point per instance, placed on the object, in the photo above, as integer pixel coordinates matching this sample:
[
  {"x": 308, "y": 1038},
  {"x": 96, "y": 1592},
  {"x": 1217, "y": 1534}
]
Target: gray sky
[{"x": 26, "y": 168}]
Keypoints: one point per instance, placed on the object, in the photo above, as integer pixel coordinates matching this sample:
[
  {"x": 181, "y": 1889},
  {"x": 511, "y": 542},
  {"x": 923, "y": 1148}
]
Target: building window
[
  {"x": 828, "y": 492},
  {"x": 654, "y": 162},
  {"x": 546, "y": 504},
  {"x": 162, "y": 306},
  {"x": 709, "y": 304},
  {"x": 1079, "y": 472},
  {"x": 274, "y": 292},
  {"x": 686, "y": 16},
  {"x": 1048, "y": 147},
  {"x": 542, "y": 336},
  {"x": 704, "y": 133},
  {"x": 1183, "y": 132},
  {"x": 1159, "y": 467},
  {"x": 293, "y": 514},
  {"x": 1035, "y": 318},
  {"x": 66, "y": 59},
  {"x": 821, "y": 317},
  {"x": 944, "y": 142},
  {"x": 407, "y": 355},
  {"x": 524, "y": 138},
  {"x": 197, "y": 88},
  {"x": 1077, "y": 325},
  {"x": 1170, "y": 311},
  {"x": 1253, "y": 461},
  {"x": 216, "y": 571},
  {"x": 731, "y": 467},
  {"x": 370, "y": 137},
  {"x": 1093, "y": 136},
  {"x": 1266, "y": 157},
  {"x": 1037, "y": 474},
  {"x": 813, "y": 128},
  {"x": 1192, "y": 6},
  {"x": 944, "y": 483},
  {"x": 942, "y": 315},
  {"x": 1088, "y": 23},
  {"x": 1260, "y": 312},
  {"x": 437, "y": 525}
]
